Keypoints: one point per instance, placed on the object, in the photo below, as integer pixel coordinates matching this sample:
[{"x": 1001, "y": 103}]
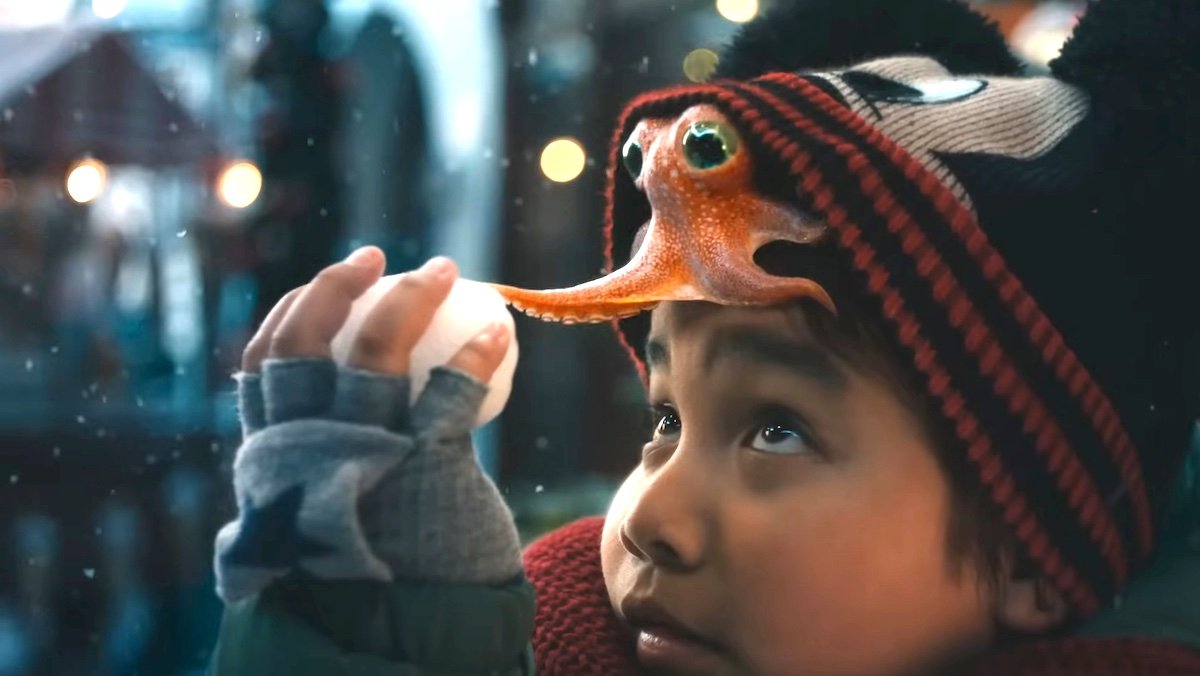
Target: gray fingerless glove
[
  {"x": 437, "y": 515},
  {"x": 338, "y": 478}
]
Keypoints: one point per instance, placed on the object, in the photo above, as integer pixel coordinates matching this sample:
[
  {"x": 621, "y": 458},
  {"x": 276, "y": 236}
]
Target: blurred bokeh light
[
  {"x": 240, "y": 184},
  {"x": 738, "y": 11},
  {"x": 1039, "y": 36},
  {"x": 699, "y": 64},
  {"x": 86, "y": 180},
  {"x": 563, "y": 159}
]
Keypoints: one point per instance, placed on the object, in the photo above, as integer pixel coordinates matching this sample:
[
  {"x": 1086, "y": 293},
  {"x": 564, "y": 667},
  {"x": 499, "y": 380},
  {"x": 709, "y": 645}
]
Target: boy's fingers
[
  {"x": 482, "y": 355},
  {"x": 385, "y": 341},
  {"x": 322, "y": 307},
  {"x": 259, "y": 346}
]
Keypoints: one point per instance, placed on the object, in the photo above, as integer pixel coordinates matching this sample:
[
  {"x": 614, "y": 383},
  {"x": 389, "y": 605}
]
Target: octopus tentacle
[{"x": 652, "y": 276}]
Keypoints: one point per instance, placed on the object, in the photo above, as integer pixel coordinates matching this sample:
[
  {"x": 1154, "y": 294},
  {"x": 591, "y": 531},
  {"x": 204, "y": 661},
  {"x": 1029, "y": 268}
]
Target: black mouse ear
[
  {"x": 1139, "y": 58},
  {"x": 1139, "y": 62},
  {"x": 826, "y": 34}
]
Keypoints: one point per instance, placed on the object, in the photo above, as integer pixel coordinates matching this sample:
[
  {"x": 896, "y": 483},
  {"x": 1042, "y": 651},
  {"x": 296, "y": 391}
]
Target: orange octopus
[{"x": 706, "y": 223}]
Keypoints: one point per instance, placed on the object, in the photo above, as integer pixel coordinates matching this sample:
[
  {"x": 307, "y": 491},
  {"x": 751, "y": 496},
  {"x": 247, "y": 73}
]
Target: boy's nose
[{"x": 664, "y": 525}]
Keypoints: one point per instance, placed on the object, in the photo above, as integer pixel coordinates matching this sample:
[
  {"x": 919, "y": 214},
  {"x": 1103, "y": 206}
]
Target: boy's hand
[
  {"x": 303, "y": 323},
  {"x": 338, "y": 476}
]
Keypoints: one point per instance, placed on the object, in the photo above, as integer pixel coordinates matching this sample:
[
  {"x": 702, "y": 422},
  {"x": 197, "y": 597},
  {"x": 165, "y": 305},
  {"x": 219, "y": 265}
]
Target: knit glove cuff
[{"x": 327, "y": 483}]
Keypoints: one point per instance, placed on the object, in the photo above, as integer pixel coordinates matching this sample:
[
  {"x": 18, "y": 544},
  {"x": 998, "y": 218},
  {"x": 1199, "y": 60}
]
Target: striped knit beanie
[{"x": 1029, "y": 242}]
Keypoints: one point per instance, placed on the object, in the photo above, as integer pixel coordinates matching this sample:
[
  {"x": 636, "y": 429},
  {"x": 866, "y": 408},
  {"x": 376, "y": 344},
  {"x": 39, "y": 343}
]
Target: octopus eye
[
  {"x": 631, "y": 156},
  {"x": 708, "y": 145}
]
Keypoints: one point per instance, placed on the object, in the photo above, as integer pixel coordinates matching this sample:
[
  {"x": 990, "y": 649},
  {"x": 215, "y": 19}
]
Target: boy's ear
[{"x": 1030, "y": 605}]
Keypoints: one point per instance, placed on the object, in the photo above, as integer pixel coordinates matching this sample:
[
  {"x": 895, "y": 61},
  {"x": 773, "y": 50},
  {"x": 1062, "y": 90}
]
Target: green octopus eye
[
  {"x": 708, "y": 145},
  {"x": 631, "y": 156}
]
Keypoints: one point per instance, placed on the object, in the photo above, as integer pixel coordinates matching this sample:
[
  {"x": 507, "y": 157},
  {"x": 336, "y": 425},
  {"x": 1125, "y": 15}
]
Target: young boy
[{"x": 921, "y": 389}]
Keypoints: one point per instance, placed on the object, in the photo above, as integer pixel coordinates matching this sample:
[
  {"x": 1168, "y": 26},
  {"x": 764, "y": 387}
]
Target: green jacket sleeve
[{"x": 306, "y": 626}]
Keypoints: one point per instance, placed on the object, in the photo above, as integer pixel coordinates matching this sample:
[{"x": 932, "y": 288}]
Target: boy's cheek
[
  {"x": 614, "y": 558},
  {"x": 854, "y": 580}
]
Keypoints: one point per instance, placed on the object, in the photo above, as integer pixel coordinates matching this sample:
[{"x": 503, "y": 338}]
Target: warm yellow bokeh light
[
  {"x": 699, "y": 64},
  {"x": 738, "y": 11},
  {"x": 86, "y": 180},
  {"x": 563, "y": 160},
  {"x": 108, "y": 9},
  {"x": 240, "y": 184},
  {"x": 1044, "y": 46}
]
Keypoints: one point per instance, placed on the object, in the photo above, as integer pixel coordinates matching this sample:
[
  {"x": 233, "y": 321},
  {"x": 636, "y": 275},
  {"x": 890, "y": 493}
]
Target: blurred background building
[{"x": 169, "y": 168}]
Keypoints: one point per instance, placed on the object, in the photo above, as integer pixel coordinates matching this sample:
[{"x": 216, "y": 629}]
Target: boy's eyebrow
[
  {"x": 806, "y": 361},
  {"x": 657, "y": 355}
]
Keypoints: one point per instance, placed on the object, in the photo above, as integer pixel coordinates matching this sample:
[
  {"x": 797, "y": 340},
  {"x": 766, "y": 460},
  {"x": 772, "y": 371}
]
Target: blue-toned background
[{"x": 169, "y": 168}]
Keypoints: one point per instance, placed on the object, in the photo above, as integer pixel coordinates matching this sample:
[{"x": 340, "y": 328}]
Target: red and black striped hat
[{"x": 1029, "y": 241}]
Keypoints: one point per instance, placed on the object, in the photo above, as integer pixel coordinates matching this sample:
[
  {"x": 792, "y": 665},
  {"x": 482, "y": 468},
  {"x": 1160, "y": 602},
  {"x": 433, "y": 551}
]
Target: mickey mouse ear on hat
[
  {"x": 1139, "y": 63},
  {"x": 823, "y": 34}
]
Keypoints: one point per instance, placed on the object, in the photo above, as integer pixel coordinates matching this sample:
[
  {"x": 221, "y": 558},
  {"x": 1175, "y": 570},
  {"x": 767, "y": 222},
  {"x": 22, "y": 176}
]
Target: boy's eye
[
  {"x": 780, "y": 436},
  {"x": 666, "y": 422}
]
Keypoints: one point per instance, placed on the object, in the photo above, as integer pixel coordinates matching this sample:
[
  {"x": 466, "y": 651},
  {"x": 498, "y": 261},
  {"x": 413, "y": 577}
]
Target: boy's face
[{"x": 789, "y": 511}]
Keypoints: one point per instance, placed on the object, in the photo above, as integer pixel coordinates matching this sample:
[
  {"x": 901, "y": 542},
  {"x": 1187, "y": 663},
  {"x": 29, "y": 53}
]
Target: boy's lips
[{"x": 664, "y": 642}]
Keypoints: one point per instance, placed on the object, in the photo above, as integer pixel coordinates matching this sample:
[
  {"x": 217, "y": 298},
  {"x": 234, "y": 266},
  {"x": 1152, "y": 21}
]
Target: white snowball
[{"x": 469, "y": 308}]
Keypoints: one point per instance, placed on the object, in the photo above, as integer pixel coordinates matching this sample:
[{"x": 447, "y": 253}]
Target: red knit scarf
[{"x": 577, "y": 634}]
